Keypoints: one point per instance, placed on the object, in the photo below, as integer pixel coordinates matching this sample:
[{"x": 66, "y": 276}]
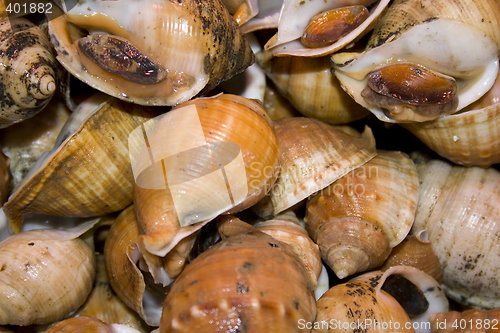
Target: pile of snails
[{"x": 250, "y": 166}]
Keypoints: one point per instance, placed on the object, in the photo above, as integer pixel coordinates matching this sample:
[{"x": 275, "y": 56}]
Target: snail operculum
[
  {"x": 402, "y": 88},
  {"x": 117, "y": 56}
]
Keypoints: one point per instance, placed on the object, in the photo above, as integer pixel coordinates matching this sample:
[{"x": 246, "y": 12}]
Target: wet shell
[
  {"x": 28, "y": 73},
  {"x": 468, "y": 321},
  {"x": 425, "y": 48},
  {"x": 399, "y": 295},
  {"x": 24, "y": 143},
  {"x": 152, "y": 52},
  {"x": 295, "y": 17},
  {"x": 242, "y": 139},
  {"x": 469, "y": 137},
  {"x": 358, "y": 219},
  {"x": 45, "y": 274},
  {"x": 416, "y": 251},
  {"x": 458, "y": 206},
  {"x": 69, "y": 181},
  {"x": 310, "y": 87},
  {"x": 249, "y": 293},
  {"x": 88, "y": 324},
  {"x": 242, "y": 10},
  {"x": 122, "y": 255},
  {"x": 313, "y": 155}
]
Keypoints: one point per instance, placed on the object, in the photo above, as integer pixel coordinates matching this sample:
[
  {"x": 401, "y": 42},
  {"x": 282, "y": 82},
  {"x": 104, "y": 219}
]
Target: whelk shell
[
  {"x": 189, "y": 47},
  {"x": 88, "y": 324},
  {"x": 242, "y": 141},
  {"x": 313, "y": 155},
  {"x": 248, "y": 294},
  {"x": 358, "y": 219},
  {"x": 459, "y": 208},
  {"x": 88, "y": 173}
]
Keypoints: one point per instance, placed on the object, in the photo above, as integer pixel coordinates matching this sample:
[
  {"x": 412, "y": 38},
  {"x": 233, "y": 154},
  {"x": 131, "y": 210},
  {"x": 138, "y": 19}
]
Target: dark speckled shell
[{"x": 247, "y": 283}]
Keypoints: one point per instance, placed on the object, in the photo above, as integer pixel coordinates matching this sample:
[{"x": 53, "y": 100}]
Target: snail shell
[
  {"x": 46, "y": 275},
  {"x": 469, "y": 137},
  {"x": 308, "y": 84},
  {"x": 358, "y": 219},
  {"x": 69, "y": 181},
  {"x": 243, "y": 145},
  {"x": 371, "y": 298},
  {"x": 472, "y": 320},
  {"x": 236, "y": 285},
  {"x": 28, "y": 73},
  {"x": 122, "y": 255},
  {"x": 416, "y": 251},
  {"x": 313, "y": 155},
  {"x": 150, "y": 52},
  {"x": 420, "y": 58},
  {"x": 458, "y": 207}
]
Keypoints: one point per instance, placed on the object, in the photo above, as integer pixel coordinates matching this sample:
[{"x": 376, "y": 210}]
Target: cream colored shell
[{"x": 458, "y": 206}]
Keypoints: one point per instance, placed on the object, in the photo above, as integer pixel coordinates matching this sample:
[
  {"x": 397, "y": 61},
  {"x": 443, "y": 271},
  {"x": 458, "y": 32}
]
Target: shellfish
[
  {"x": 150, "y": 52},
  {"x": 358, "y": 219},
  {"x": 28, "y": 72}
]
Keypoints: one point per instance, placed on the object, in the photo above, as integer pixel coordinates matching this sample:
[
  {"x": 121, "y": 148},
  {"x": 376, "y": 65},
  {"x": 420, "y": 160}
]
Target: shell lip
[
  {"x": 472, "y": 81},
  {"x": 295, "y": 48}
]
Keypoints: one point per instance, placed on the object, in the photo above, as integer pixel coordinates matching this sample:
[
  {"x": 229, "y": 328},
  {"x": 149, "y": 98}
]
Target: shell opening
[
  {"x": 411, "y": 92},
  {"x": 408, "y": 295}
]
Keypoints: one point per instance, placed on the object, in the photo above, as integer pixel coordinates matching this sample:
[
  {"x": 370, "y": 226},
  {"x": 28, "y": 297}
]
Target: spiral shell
[
  {"x": 45, "y": 274},
  {"x": 468, "y": 321},
  {"x": 313, "y": 155},
  {"x": 416, "y": 251},
  {"x": 248, "y": 294},
  {"x": 457, "y": 205},
  {"x": 150, "y": 52},
  {"x": 358, "y": 219},
  {"x": 69, "y": 181},
  {"x": 243, "y": 147},
  {"x": 373, "y": 300},
  {"x": 28, "y": 74}
]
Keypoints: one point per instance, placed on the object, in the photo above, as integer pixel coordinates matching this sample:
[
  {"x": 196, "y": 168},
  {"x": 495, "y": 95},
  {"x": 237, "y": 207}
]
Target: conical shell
[
  {"x": 45, "y": 274},
  {"x": 70, "y": 180},
  {"x": 403, "y": 15},
  {"x": 313, "y": 155},
  {"x": 103, "y": 303},
  {"x": 238, "y": 284},
  {"x": 196, "y": 45},
  {"x": 416, "y": 251},
  {"x": 28, "y": 72},
  {"x": 473, "y": 320},
  {"x": 309, "y": 85},
  {"x": 243, "y": 146},
  {"x": 358, "y": 219},
  {"x": 367, "y": 303},
  {"x": 122, "y": 256},
  {"x": 470, "y": 137},
  {"x": 459, "y": 208}
]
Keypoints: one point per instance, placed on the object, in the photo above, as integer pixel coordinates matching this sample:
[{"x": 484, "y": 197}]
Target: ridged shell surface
[{"x": 459, "y": 208}]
